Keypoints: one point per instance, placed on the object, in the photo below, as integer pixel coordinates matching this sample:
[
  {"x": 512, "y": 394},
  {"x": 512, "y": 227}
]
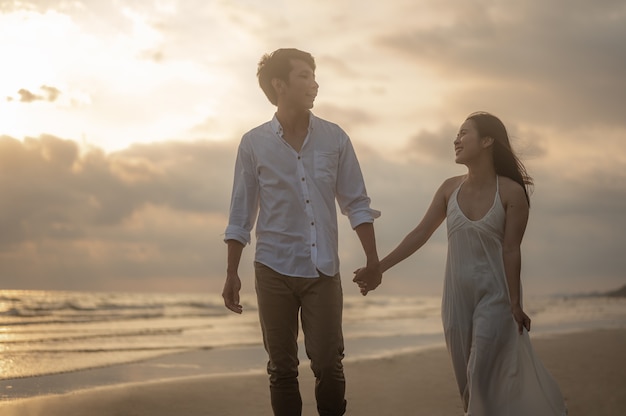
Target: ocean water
[{"x": 45, "y": 333}]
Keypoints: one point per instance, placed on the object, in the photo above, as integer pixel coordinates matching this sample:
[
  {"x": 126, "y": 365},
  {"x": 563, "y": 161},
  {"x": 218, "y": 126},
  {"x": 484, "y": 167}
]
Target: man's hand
[
  {"x": 368, "y": 278},
  {"x": 232, "y": 286}
]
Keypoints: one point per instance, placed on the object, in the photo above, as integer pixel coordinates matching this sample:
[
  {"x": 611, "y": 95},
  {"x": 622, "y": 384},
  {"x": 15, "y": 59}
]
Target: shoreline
[
  {"x": 588, "y": 365},
  {"x": 211, "y": 362}
]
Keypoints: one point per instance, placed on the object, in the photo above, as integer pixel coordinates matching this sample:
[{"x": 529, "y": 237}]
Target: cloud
[
  {"x": 399, "y": 78},
  {"x": 437, "y": 145},
  {"x": 533, "y": 55},
  {"x": 49, "y": 94},
  {"x": 51, "y": 180},
  {"x": 152, "y": 216},
  {"x": 27, "y": 96},
  {"x": 576, "y": 228},
  {"x": 144, "y": 212},
  {"x": 345, "y": 116}
]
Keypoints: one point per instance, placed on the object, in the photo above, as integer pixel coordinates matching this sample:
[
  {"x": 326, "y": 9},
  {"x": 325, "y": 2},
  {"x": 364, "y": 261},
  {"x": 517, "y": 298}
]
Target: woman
[{"x": 486, "y": 210}]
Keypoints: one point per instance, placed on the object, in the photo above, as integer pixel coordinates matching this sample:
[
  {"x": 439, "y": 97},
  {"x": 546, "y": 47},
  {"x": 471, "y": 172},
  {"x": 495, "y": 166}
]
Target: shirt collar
[{"x": 278, "y": 129}]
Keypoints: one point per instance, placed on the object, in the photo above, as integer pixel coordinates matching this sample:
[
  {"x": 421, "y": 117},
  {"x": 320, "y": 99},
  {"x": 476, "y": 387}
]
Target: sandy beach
[{"x": 589, "y": 366}]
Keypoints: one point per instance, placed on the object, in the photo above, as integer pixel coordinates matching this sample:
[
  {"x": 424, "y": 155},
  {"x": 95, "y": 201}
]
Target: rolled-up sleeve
[
  {"x": 244, "y": 204},
  {"x": 351, "y": 193}
]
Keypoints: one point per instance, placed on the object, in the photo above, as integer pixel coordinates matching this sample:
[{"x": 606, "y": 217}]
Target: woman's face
[{"x": 468, "y": 143}]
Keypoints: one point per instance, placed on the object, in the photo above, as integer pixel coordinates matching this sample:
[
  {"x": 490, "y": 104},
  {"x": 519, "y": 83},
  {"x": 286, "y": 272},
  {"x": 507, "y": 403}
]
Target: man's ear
[
  {"x": 278, "y": 85},
  {"x": 487, "y": 141}
]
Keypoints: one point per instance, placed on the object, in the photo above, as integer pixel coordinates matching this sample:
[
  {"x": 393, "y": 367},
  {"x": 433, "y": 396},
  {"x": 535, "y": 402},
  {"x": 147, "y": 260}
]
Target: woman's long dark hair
[{"x": 505, "y": 161}]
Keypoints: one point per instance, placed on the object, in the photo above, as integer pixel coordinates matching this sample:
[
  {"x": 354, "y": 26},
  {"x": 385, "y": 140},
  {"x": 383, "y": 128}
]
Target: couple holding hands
[{"x": 292, "y": 172}]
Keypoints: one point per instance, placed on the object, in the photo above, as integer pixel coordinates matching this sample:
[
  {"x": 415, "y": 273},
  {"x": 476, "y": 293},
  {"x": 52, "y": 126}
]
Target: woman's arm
[
  {"x": 433, "y": 218},
  {"x": 516, "y": 207},
  {"x": 417, "y": 237}
]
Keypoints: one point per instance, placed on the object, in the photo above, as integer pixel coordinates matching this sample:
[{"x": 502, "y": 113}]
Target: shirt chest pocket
[{"x": 326, "y": 165}]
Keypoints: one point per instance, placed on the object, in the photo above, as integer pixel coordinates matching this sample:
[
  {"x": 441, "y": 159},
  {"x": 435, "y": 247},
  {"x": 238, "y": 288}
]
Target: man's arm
[
  {"x": 372, "y": 272},
  {"x": 232, "y": 286},
  {"x": 350, "y": 189},
  {"x": 353, "y": 201},
  {"x": 243, "y": 210}
]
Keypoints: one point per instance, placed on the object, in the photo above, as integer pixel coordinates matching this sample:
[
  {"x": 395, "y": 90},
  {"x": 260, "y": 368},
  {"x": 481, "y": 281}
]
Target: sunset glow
[{"x": 119, "y": 124}]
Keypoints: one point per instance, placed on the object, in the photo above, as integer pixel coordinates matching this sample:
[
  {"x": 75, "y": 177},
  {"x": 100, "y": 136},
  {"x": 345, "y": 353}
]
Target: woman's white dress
[{"x": 497, "y": 371}]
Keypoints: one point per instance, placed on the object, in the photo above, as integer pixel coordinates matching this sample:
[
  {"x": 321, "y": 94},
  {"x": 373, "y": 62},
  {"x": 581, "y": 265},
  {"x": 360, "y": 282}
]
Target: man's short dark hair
[{"x": 278, "y": 65}]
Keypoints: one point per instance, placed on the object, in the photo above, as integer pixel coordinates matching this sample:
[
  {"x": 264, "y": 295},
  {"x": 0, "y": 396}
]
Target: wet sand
[{"x": 589, "y": 366}]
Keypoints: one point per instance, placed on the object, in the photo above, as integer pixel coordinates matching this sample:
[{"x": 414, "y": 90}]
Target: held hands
[
  {"x": 522, "y": 320},
  {"x": 232, "y": 286},
  {"x": 368, "y": 278}
]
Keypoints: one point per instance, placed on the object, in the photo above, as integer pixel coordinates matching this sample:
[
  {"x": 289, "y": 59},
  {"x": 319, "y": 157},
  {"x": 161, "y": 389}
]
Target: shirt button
[
  {"x": 313, "y": 244},
  {"x": 307, "y": 201},
  {"x": 302, "y": 179},
  {"x": 312, "y": 223},
  {"x": 299, "y": 157}
]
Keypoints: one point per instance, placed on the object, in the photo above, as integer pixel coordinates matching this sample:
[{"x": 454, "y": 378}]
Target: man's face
[{"x": 301, "y": 90}]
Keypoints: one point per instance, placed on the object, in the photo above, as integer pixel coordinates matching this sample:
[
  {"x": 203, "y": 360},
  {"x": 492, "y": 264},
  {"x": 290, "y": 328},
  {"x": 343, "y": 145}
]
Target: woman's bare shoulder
[
  {"x": 453, "y": 182},
  {"x": 511, "y": 190},
  {"x": 509, "y": 185},
  {"x": 449, "y": 185}
]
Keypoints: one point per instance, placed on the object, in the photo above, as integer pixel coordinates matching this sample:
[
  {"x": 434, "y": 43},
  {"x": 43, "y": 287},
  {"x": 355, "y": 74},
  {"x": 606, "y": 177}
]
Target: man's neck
[
  {"x": 295, "y": 126},
  {"x": 293, "y": 121}
]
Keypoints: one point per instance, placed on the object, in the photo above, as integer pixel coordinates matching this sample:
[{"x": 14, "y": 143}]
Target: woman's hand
[
  {"x": 522, "y": 320},
  {"x": 367, "y": 278}
]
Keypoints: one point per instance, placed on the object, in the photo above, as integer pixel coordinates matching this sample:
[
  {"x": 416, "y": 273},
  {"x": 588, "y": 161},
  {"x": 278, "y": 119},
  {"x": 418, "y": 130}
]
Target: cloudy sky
[{"x": 119, "y": 123}]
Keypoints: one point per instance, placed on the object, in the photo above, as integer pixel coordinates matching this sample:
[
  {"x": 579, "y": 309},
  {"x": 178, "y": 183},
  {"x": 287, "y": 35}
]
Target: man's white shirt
[{"x": 293, "y": 195}]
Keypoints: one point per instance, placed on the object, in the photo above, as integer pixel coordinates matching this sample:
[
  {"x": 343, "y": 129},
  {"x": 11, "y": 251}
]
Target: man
[{"x": 289, "y": 172}]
